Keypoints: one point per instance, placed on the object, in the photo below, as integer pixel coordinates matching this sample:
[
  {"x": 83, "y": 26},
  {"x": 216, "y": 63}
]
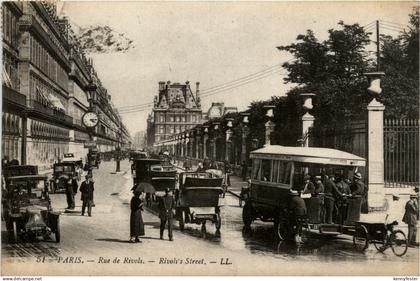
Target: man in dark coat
[
  {"x": 410, "y": 218},
  {"x": 166, "y": 204},
  {"x": 297, "y": 210},
  {"x": 87, "y": 188},
  {"x": 244, "y": 171},
  {"x": 136, "y": 219},
  {"x": 359, "y": 188},
  {"x": 331, "y": 194},
  {"x": 70, "y": 194}
]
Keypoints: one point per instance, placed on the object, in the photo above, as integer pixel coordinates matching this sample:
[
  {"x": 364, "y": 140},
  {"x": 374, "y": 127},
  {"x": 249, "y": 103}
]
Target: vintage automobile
[
  {"x": 69, "y": 157},
  {"x": 19, "y": 170},
  {"x": 277, "y": 169},
  {"x": 63, "y": 174},
  {"x": 197, "y": 199},
  {"x": 156, "y": 171},
  {"x": 93, "y": 158},
  {"x": 27, "y": 208}
]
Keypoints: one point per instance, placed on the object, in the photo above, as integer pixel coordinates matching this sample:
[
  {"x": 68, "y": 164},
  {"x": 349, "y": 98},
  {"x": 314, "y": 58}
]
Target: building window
[
  {"x": 171, "y": 119},
  {"x": 194, "y": 118},
  {"x": 183, "y": 119}
]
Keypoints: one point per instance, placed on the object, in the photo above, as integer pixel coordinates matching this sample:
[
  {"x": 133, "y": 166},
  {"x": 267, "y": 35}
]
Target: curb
[{"x": 233, "y": 193}]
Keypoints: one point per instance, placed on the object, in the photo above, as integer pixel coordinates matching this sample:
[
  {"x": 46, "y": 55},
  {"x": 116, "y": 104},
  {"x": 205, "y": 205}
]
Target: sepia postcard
[{"x": 210, "y": 138}]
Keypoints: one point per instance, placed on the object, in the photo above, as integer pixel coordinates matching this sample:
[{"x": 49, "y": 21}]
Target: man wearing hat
[
  {"x": 87, "y": 188},
  {"x": 297, "y": 210},
  {"x": 359, "y": 188},
  {"x": 166, "y": 205},
  {"x": 410, "y": 218},
  {"x": 309, "y": 187}
]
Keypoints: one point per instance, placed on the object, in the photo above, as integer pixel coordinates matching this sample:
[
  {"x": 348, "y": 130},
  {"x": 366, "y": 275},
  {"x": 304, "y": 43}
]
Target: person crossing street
[
  {"x": 87, "y": 188},
  {"x": 166, "y": 205}
]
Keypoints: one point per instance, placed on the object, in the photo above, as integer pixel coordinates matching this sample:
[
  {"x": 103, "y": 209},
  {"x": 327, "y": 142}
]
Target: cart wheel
[
  {"x": 380, "y": 246},
  {"x": 247, "y": 215},
  {"x": 52, "y": 187},
  {"x": 57, "y": 231},
  {"x": 360, "y": 239},
  {"x": 218, "y": 221},
  {"x": 281, "y": 229},
  {"x": 14, "y": 234},
  {"x": 398, "y": 243},
  {"x": 182, "y": 220},
  {"x": 240, "y": 202},
  {"x": 203, "y": 230}
]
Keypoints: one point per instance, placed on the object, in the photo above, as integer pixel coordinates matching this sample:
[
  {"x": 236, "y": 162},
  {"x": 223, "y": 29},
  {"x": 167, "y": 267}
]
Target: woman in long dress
[{"x": 136, "y": 219}]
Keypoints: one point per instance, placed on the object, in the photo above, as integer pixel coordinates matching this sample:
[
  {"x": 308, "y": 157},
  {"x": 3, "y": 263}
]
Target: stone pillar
[
  {"x": 269, "y": 125},
  {"x": 198, "y": 145},
  {"x": 307, "y": 118},
  {"x": 307, "y": 123},
  {"x": 214, "y": 144},
  {"x": 375, "y": 142},
  {"x": 205, "y": 137},
  {"x": 376, "y": 145},
  {"x": 228, "y": 146}
]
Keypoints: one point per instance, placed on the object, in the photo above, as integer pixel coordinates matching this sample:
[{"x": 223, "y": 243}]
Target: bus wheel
[{"x": 247, "y": 215}]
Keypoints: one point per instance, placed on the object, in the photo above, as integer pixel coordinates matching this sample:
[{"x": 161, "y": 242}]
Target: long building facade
[{"x": 45, "y": 85}]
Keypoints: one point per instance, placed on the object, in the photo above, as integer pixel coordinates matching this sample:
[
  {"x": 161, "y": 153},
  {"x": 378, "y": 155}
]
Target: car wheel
[
  {"x": 218, "y": 221},
  {"x": 57, "y": 231},
  {"x": 281, "y": 229},
  {"x": 360, "y": 238},
  {"x": 14, "y": 233},
  {"x": 52, "y": 187},
  {"x": 182, "y": 220}
]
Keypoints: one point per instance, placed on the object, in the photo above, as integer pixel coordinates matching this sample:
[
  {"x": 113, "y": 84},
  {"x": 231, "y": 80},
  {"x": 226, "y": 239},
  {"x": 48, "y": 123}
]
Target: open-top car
[
  {"x": 27, "y": 208},
  {"x": 197, "y": 200}
]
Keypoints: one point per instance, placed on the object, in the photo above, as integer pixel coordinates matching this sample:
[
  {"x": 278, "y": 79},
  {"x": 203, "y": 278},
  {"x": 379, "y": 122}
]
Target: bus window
[
  {"x": 284, "y": 172},
  {"x": 276, "y": 170},
  {"x": 256, "y": 169},
  {"x": 266, "y": 170}
]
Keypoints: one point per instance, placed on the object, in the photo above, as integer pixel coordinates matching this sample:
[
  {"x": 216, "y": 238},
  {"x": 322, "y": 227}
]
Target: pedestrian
[
  {"x": 298, "y": 212},
  {"x": 70, "y": 194},
  {"x": 206, "y": 163},
  {"x": 136, "y": 219},
  {"x": 166, "y": 205},
  {"x": 410, "y": 218},
  {"x": 227, "y": 170},
  {"x": 244, "y": 171},
  {"x": 200, "y": 167},
  {"x": 87, "y": 188}
]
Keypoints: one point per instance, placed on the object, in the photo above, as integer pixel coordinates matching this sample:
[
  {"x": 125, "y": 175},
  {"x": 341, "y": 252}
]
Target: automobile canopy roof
[{"x": 314, "y": 155}]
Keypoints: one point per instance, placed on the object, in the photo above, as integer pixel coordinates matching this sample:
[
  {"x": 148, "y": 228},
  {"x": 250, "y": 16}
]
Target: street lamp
[
  {"x": 245, "y": 130},
  {"x": 229, "y": 133}
]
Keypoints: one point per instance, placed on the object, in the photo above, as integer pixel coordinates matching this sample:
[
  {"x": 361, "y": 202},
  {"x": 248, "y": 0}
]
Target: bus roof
[{"x": 315, "y": 155}]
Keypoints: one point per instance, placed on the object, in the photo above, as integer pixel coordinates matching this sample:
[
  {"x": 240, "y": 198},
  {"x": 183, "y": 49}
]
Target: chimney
[
  {"x": 161, "y": 85},
  {"x": 197, "y": 91},
  {"x": 168, "y": 84}
]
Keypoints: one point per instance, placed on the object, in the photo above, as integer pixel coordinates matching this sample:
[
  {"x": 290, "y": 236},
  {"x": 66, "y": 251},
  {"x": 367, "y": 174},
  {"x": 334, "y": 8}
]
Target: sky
[{"x": 213, "y": 43}]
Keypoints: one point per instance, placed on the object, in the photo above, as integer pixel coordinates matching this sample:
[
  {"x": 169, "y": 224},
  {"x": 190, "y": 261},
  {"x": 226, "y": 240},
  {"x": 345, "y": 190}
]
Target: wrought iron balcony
[{"x": 39, "y": 108}]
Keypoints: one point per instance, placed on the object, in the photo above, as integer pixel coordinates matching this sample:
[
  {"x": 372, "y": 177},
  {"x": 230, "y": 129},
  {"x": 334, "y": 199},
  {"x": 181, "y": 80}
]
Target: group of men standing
[
  {"x": 333, "y": 191},
  {"x": 86, "y": 189}
]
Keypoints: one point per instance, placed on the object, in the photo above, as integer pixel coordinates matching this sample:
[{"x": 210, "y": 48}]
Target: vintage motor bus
[{"x": 277, "y": 169}]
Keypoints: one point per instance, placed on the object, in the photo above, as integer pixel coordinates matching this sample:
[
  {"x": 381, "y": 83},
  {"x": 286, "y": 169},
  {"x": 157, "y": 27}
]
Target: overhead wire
[{"x": 224, "y": 86}]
